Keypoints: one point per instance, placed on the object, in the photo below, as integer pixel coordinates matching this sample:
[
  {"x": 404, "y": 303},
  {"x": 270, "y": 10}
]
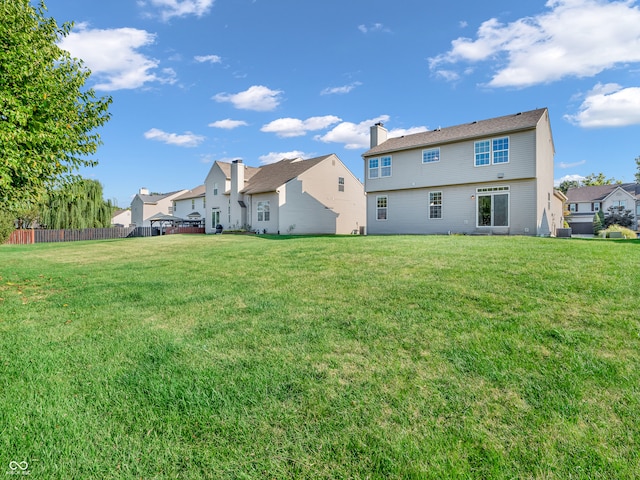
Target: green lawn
[{"x": 321, "y": 357}]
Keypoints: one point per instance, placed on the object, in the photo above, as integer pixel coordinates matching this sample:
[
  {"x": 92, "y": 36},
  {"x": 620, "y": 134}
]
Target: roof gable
[
  {"x": 269, "y": 177},
  {"x": 483, "y": 128},
  {"x": 597, "y": 193},
  {"x": 197, "y": 192}
]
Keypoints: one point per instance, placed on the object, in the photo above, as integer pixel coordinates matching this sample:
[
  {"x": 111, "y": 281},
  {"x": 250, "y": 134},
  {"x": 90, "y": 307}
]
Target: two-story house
[
  {"x": 584, "y": 202},
  {"x": 145, "y": 205},
  {"x": 191, "y": 206},
  {"x": 315, "y": 196},
  {"x": 491, "y": 176}
]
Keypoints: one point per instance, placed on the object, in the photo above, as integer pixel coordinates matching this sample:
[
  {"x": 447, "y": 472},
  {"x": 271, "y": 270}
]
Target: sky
[{"x": 197, "y": 81}]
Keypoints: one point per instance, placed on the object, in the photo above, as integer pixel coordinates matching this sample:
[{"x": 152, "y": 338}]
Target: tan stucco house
[
  {"x": 490, "y": 176},
  {"x": 293, "y": 196}
]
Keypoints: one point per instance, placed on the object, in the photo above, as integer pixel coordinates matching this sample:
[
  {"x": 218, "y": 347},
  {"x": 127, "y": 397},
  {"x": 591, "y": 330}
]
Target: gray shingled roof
[
  {"x": 269, "y": 177},
  {"x": 156, "y": 198},
  {"x": 494, "y": 126},
  {"x": 597, "y": 193},
  {"x": 197, "y": 192}
]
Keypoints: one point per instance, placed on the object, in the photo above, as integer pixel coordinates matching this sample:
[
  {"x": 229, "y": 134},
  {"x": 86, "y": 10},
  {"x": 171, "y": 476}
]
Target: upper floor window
[
  {"x": 493, "y": 151},
  {"x": 215, "y": 189},
  {"x": 620, "y": 203},
  {"x": 431, "y": 155},
  {"x": 193, "y": 203},
  {"x": 341, "y": 184},
  {"x": 380, "y": 167},
  {"x": 263, "y": 211},
  {"x": 595, "y": 207},
  {"x": 573, "y": 207}
]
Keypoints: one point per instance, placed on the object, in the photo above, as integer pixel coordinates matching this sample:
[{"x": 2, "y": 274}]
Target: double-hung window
[
  {"x": 431, "y": 155},
  {"x": 381, "y": 207},
  {"x": 263, "y": 211},
  {"x": 435, "y": 204},
  {"x": 341, "y": 184},
  {"x": 488, "y": 152},
  {"x": 380, "y": 167}
]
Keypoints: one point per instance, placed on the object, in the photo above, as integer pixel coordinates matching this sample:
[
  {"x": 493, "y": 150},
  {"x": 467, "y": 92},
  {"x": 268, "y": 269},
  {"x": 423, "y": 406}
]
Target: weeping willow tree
[{"x": 76, "y": 205}]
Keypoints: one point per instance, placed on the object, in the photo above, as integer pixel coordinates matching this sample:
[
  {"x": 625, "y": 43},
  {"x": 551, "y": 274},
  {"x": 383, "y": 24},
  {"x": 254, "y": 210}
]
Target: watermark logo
[{"x": 18, "y": 468}]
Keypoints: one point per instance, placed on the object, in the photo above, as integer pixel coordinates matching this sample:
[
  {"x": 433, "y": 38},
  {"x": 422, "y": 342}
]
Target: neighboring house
[
  {"x": 121, "y": 218},
  {"x": 584, "y": 202},
  {"x": 487, "y": 177},
  {"x": 314, "y": 196},
  {"x": 144, "y": 206},
  {"x": 191, "y": 206}
]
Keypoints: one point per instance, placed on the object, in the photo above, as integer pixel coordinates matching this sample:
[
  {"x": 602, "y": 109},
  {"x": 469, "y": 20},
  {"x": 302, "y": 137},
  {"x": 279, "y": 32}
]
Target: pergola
[{"x": 164, "y": 220}]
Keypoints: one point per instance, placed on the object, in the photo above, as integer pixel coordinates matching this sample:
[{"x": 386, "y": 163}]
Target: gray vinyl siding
[
  {"x": 456, "y": 165},
  {"x": 408, "y": 211}
]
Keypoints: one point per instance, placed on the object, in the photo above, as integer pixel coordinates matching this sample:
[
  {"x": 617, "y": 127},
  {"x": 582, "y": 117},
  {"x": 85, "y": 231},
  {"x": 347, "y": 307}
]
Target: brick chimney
[{"x": 378, "y": 134}]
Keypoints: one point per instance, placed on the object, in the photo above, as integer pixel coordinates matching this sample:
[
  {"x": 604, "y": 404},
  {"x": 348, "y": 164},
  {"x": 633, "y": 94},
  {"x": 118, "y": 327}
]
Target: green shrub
[
  {"x": 7, "y": 226},
  {"x": 597, "y": 224},
  {"x": 626, "y": 232}
]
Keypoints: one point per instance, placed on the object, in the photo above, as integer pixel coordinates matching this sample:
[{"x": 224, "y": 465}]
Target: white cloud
[
  {"x": 571, "y": 165},
  {"x": 356, "y": 136},
  {"x": 179, "y": 8},
  {"x": 257, "y": 98},
  {"x": 577, "y": 38},
  {"x": 294, "y": 127},
  {"x": 274, "y": 157},
  {"x": 187, "y": 139},
  {"x": 113, "y": 59},
  {"x": 207, "y": 59},
  {"x": 568, "y": 178},
  {"x": 375, "y": 27},
  {"x": 340, "y": 90},
  {"x": 608, "y": 105},
  {"x": 228, "y": 124}
]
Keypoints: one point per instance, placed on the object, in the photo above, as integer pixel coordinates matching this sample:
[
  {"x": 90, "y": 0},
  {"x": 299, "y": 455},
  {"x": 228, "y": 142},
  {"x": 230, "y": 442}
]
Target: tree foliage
[
  {"x": 597, "y": 224},
  {"x": 599, "y": 179},
  {"x": 47, "y": 117},
  {"x": 618, "y": 216},
  {"x": 567, "y": 184},
  {"x": 76, "y": 205}
]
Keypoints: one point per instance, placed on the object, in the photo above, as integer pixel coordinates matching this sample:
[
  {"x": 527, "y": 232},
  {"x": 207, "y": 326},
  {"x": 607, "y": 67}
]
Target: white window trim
[
  {"x": 441, "y": 217},
  {"x": 491, "y": 162},
  {"x": 386, "y": 208},
  {"x": 429, "y": 150},
  {"x": 379, "y": 168},
  {"x": 486, "y": 191}
]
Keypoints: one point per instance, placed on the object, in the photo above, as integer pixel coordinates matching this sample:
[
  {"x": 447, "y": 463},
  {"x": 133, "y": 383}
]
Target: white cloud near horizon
[
  {"x": 257, "y": 98},
  {"x": 578, "y": 38},
  {"x": 294, "y": 127},
  {"x": 228, "y": 124},
  {"x": 114, "y": 60},
  {"x": 356, "y": 135},
  {"x": 273, "y": 157},
  {"x": 178, "y": 8},
  {"x": 608, "y": 105},
  {"x": 568, "y": 178},
  {"x": 187, "y": 139}
]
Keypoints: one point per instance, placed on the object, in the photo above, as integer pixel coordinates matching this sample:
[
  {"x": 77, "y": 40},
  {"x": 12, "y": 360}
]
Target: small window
[
  {"x": 435, "y": 204},
  {"x": 381, "y": 207},
  {"x": 374, "y": 166},
  {"x": 341, "y": 184},
  {"x": 431, "y": 155},
  {"x": 595, "y": 207},
  {"x": 193, "y": 204},
  {"x": 573, "y": 207},
  {"x": 385, "y": 170},
  {"x": 215, "y": 189}
]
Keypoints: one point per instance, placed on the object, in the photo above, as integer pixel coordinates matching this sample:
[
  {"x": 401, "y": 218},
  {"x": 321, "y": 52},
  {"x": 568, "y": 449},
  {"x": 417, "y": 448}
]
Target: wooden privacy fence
[{"x": 25, "y": 237}]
